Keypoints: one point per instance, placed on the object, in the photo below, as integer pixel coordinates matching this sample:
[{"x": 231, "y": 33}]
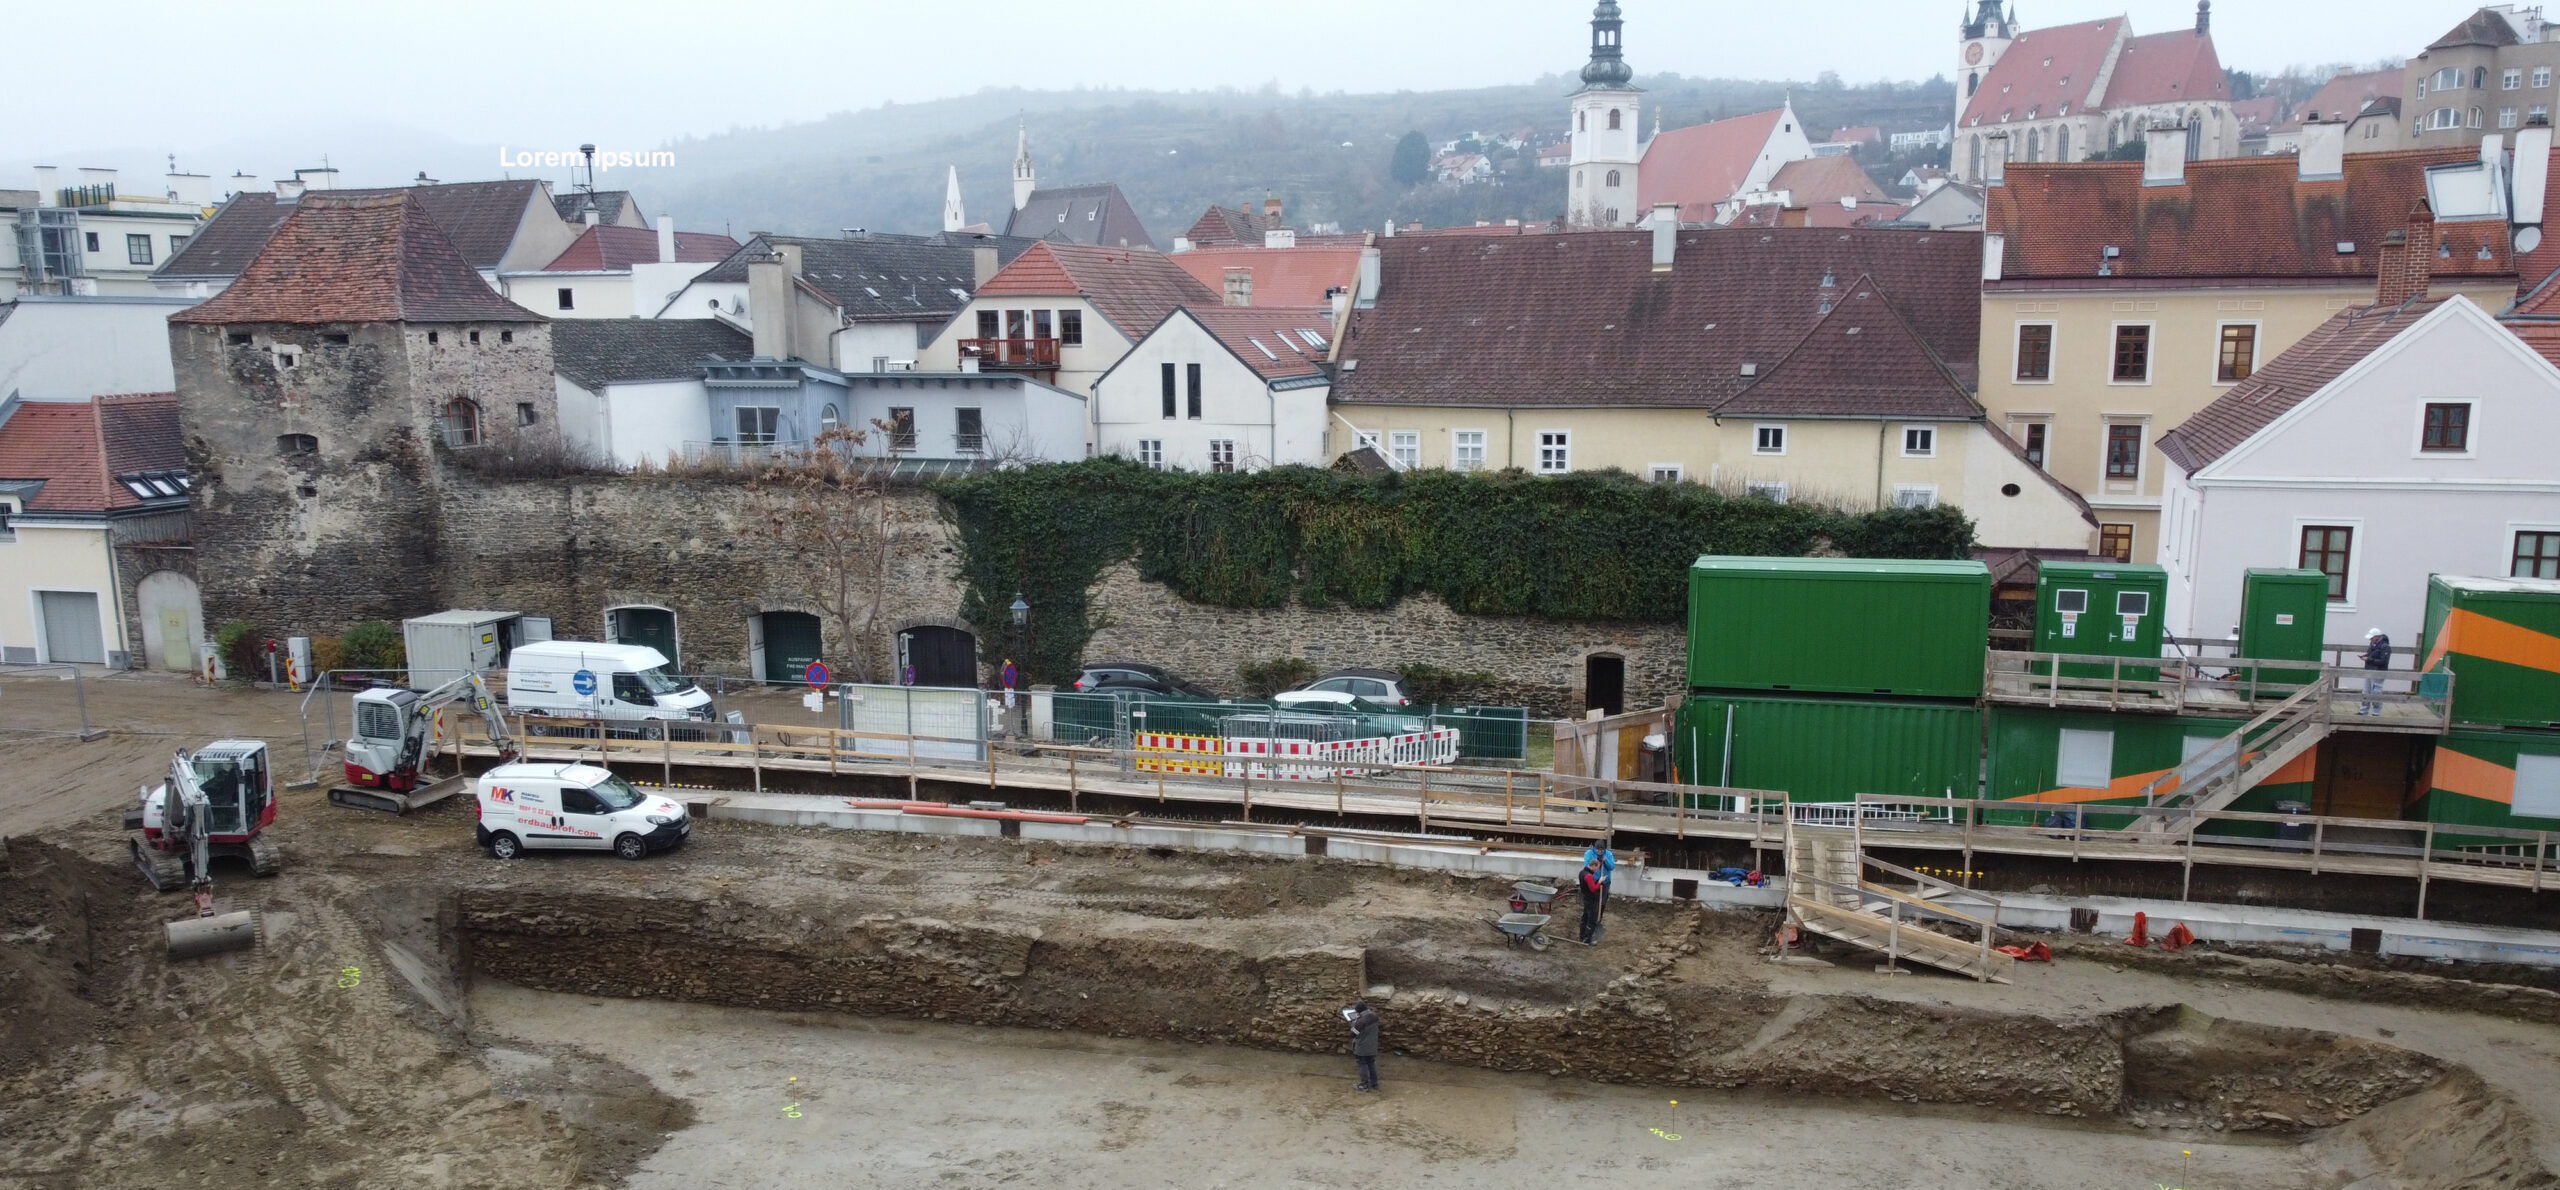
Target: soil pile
[{"x": 68, "y": 940}]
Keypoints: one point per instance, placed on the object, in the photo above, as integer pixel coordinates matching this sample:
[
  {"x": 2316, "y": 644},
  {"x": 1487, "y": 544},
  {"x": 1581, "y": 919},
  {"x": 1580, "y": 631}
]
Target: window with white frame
[
  {"x": 1664, "y": 472},
  {"x": 1919, "y": 442},
  {"x": 1151, "y": 452},
  {"x": 2443, "y": 118},
  {"x": 1915, "y": 495},
  {"x": 2537, "y": 786},
  {"x": 1773, "y": 491},
  {"x": 1555, "y": 452},
  {"x": 1405, "y": 447},
  {"x": 1222, "y": 454},
  {"x": 2539, "y": 111},
  {"x": 2541, "y": 76},
  {"x": 1466, "y": 450},
  {"x": 1769, "y": 440},
  {"x": 2446, "y": 79},
  {"x": 2085, "y": 759},
  {"x": 2511, "y": 78},
  {"x": 2508, "y": 118}
]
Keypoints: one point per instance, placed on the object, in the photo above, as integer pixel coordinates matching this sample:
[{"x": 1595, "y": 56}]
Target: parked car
[
  {"x": 1383, "y": 687},
  {"x": 575, "y": 806},
  {"x": 1137, "y": 677}
]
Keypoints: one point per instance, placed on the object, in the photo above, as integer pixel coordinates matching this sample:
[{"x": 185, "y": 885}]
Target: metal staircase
[
  {"x": 1827, "y": 894},
  {"x": 2216, "y": 777}
]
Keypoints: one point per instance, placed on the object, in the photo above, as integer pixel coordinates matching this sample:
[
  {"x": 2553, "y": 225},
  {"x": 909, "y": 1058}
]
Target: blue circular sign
[
  {"x": 584, "y": 681},
  {"x": 818, "y": 675},
  {"x": 1010, "y": 675}
]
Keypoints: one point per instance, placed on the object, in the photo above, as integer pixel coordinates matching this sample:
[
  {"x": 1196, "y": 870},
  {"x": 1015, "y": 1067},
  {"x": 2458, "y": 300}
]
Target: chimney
[
  {"x": 2532, "y": 175},
  {"x": 1279, "y": 237},
  {"x": 242, "y": 183},
  {"x": 590, "y": 216},
  {"x": 1995, "y": 249},
  {"x": 1995, "y": 159},
  {"x": 2204, "y": 18},
  {"x": 1666, "y": 235},
  {"x": 1391, "y": 229},
  {"x": 666, "y": 239},
  {"x": 46, "y": 184},
  {"x": 1271, "y": 209},
  {"x": 288, "y": 190},
  {"x": 1239, "y": 290},
  {"x": 2408, "y": 259},
  {"x": 424, "y": 180},
  {"x": 982, "y": 262},
  {"x": 2324, "y": 152},
  {"x": 323, "y": 178},
  {"x": 2164, "y": 156},
  {"x": 769, "y": 303},
  {"x": 92, "y": 177},
  {"x": 191, "y": 190},
  {"x": 1370, "y": 277}
]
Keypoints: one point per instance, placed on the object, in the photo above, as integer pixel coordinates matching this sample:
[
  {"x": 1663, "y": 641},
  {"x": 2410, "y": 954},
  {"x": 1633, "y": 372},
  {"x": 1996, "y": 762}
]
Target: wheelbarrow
[
  {"x": 1524, "y": 927},
  {"x": 1529, "y": 896}
]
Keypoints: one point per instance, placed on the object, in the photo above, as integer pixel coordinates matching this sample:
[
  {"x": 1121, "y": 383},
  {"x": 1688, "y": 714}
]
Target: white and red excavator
[
  {"x": 387, "y": 747},
  {"x": 218, "y": 802}
]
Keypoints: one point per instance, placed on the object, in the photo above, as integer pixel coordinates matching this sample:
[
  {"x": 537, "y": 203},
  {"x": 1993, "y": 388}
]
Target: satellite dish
[{"x": 2528, "y": 238}]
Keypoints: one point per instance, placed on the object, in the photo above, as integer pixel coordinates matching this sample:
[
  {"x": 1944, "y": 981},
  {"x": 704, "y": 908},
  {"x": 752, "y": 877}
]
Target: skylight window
[
  {"x": 165, "y": 487},
  {"x": 1314, "y": 338},
  {"x": 138, "y": 488},
  {"x": 1257, "y": 344}
]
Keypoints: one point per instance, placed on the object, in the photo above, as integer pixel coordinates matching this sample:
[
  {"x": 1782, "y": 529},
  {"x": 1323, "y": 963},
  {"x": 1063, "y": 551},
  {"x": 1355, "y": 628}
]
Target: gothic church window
[
  {"x": 1613, "y": 177},
  {"x": 1613, "y": 119}
]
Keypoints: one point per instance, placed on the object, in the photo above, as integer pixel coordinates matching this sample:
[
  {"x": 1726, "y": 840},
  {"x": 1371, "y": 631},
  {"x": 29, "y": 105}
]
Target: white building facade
[
  {"x": 1226, "y": 389},
  {"x": 1606, "y": 131}
]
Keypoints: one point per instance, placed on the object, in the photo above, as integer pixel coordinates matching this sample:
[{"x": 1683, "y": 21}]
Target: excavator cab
[
  {"x": 238, "y": 788},
  {"x": 217, "y": 802}
]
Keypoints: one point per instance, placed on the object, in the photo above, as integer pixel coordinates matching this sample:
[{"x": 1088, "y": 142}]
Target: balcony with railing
[{"x": 1018, "y": 353}]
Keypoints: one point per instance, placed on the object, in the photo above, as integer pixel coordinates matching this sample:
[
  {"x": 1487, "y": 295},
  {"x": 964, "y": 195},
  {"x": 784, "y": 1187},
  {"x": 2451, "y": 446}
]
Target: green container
[
  {"x": 1839, "y": 626},
  {"x": 1830, "y": 749},
  {"x": 2042, "y": 757},
  {"x": 2500, "y": 637},
  {"x": 2284, "y": 616},
  {"x": 2109, "y": 609},
  {"x": 2482, "y": 778}
]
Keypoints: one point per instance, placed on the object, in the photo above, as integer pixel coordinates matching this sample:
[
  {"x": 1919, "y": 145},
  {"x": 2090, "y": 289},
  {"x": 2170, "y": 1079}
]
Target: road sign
[
  {"x": 907, "y": 676},
  {"x": 818, "y": 675},
  {"x": 1009, "y": 675},
  {"x": 583, "y": 681}
]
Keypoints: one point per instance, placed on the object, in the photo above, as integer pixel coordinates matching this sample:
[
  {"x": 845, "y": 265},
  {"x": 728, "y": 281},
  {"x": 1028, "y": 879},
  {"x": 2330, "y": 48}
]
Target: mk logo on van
[{"x": 502, "y": 795}]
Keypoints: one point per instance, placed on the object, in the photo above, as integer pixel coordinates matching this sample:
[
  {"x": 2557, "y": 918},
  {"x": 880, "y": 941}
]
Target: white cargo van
[
  {"x": 574, "y": 806},
  {"x": 583, "y": 679}
]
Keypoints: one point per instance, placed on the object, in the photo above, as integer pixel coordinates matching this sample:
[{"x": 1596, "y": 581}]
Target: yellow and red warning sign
[{"x": 1196, "y": 755}]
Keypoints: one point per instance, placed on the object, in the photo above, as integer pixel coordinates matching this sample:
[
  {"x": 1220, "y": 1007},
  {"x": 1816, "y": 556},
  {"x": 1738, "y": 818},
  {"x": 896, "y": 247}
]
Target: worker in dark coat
[
  {"x": 1364, "y": 1044},
  {"x": 1594, "y": 888},
  {"x": 2377, "y": 656}
]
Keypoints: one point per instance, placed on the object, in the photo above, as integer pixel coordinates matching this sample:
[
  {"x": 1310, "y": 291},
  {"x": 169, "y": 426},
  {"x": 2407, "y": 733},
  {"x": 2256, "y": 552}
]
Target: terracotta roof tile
[
  {"x": 1273, "y": 341},
  {"x": 1223, "y": 225},
  {"x": 609, "y": 247},
  {"x": 2288, "y": 380},
  {"x": 2482, "y": 27},
  {"x": 2338, "y": 100},
  {"x": 2043, "y": 70},
  {"x": 2165, "y": 68},
  {"x": 1702, "y": 165},
  {"x": 1861, "y": 360},
  {"x": 1281, "y": 276},
  {"x": 78, "y": 448},
  {"x": 2244, "y": 217},
  {"x": 1582, "y": 319},
  {"x": 480, "y": 218},
  {"x": 358, "y": 256},
  {"x": 1826, "y": 180},
  {"x": 1132, "y": 287}
]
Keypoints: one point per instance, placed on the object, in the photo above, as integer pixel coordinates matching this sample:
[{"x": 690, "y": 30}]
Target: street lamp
[{"x": 1021, "y": 619}]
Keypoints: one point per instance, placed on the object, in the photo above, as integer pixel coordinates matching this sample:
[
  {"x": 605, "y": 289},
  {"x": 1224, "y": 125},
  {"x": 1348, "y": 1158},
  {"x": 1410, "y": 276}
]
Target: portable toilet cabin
[
  {"x": 2284, "y": 616},
  {"x": 2101, "y": 609},
  {"x": 2500, "y": 638}
]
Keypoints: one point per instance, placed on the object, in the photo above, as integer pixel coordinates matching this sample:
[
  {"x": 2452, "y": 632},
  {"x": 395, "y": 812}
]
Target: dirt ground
[{"x": 348, "y": 1051}]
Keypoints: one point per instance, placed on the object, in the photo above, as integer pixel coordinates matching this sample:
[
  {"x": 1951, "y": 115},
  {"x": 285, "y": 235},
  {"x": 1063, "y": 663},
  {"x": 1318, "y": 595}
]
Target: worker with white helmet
[{"x": 2377, "y": 656}]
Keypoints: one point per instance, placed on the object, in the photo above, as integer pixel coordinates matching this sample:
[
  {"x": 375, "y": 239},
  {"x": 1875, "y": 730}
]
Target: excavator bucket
[{"x": 195, "y": 936}]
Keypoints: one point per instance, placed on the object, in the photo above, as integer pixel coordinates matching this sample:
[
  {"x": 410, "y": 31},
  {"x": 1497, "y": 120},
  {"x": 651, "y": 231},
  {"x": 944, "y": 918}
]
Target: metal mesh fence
[{"x": 1486, "y": 735}]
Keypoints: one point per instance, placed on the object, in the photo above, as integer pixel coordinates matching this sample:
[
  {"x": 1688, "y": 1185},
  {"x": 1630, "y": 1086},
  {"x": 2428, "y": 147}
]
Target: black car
[{"x": 1137, "y": 677}]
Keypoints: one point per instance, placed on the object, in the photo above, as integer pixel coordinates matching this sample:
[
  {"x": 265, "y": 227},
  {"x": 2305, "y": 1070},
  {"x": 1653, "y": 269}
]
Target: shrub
[
  {"x": 327, "y": 653},
  {"x": 241, "y": 651},
  {"x": 1262, "y": 679},
  {"x": 374, "y": 645},
  {"x": 1426, "y": 683}
]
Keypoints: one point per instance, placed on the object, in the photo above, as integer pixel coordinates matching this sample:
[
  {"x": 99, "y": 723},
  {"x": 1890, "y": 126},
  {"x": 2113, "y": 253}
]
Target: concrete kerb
[{"x": 2254, "y": 925}]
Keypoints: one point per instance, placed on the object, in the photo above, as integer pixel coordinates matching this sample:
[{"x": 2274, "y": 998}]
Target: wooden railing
[
  {"x": 2409, "y": 700},
  {"x": 1011, "y": 352}
]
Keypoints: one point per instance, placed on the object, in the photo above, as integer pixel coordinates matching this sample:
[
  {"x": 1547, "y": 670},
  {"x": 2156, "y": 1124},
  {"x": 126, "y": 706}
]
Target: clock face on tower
[{"x": 1973, "y": 54}]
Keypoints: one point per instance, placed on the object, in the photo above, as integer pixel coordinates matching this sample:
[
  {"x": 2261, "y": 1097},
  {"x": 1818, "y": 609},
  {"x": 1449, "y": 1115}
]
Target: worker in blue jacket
[{"x": 1600, "y": 853}]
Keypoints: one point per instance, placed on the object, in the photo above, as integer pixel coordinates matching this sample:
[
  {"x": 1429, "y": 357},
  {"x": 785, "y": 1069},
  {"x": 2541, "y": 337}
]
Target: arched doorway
[
  {"x": 644, "y": 625},
  {"x": 1604, "y": 683},
  {"x": 783, "y": 644},
  {"x": 172, "y": 614},
  {"x": 939, "y": 656}
]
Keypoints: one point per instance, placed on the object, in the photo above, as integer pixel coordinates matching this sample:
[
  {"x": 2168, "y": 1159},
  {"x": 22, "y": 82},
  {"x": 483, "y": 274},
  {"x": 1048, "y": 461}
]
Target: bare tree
[{"x": 822, "y": 511}]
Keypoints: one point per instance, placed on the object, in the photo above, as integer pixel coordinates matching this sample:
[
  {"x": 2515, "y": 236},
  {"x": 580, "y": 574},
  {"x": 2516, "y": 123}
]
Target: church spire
[
  {"x": 1608, "y": 69},
  {"x": 1024, "y": 180},
  {"x": 953, "y": 216}
]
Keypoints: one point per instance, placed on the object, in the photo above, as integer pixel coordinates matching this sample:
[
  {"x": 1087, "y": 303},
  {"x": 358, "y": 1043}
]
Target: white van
[
  {"x": 586, "y": 680},
  {"x": 574, "y": 806}
]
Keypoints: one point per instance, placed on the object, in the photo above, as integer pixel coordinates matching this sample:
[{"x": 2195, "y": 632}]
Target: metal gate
[
  {"x": 941, "y": 656},
  {"x": 651, "y": 626},
  {"x": 790, "y": 643},
  {"x": 71, "y": 631}
]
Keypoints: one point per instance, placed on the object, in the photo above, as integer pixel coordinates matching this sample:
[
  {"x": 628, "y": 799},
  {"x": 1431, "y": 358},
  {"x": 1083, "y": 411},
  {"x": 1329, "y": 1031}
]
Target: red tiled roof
[
  {"x": 1582, "y": 319},
  {"x": 1817, "y": 180},
  {"x": 612, "y": 248},
  {"x": 2482, "y": 27},
  {"x": 1860, "y": 360},
  {"x": 1702, "y": 165},
  {"x": 2338, "y": 100},
  {"x": 2165, "y": 68},
  {"x": 1269, "y": 340},
  {"x": 1863, "y": 134},
  {"x": 2043, "y": 70},
  {"x": 1830, "y": 214},
  {"x": 2288, "y": 380},
  {"x": 1220, "y": 225},
  {"x": 2244, "y": 217},
  {"x": 2258, "y": 115},
  {"x": 358, "y": 257},
  {"x": 78, "y": 448},
  {"x": 1132, "y": 287},
  {"x": 1281, "y": 276},
  {"x": 2542, "y": 337}
]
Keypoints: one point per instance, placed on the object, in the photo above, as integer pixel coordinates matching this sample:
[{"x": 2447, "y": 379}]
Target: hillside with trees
[{"x": 1329, "y": 158}]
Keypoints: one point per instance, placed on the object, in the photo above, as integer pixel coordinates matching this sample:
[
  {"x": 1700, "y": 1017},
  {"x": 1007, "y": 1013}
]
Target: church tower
[
  {"x": 1983, "y": 38},
  {"x": 1602, "y": 189},
  {"x": 1023, "y": 181},
  {"x": 954, "y": 216}
]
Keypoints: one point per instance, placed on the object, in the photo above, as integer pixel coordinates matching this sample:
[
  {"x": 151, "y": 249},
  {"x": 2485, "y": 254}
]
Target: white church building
[{"x": 1619, "y": 175}]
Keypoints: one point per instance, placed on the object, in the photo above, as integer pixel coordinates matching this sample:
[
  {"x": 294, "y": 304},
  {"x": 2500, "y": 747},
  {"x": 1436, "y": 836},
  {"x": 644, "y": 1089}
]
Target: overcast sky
[{"x": 636, "y": 74}]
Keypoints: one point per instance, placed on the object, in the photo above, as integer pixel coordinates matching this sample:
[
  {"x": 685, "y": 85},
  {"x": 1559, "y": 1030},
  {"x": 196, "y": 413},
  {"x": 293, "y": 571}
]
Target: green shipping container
[
  {"x": 2284, "y": 616},
  {"x": 1830, "y": 749},
  {"x": 1839, "y": 626},
  {"x": 2101, "y": 609},
  {"x": 2042, "y": 757},
  {"x": 2501, "y": 639},
  {"x": 2506, "y": 779}
]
